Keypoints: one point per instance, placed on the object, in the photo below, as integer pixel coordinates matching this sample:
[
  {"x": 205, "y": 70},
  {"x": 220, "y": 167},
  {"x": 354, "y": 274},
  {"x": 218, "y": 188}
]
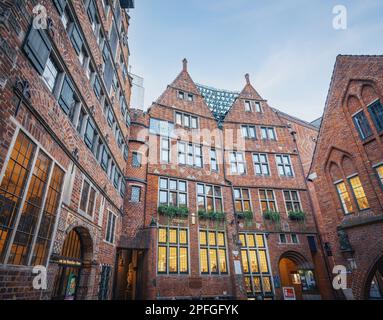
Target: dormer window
[
  {"x": 190, "y": 97},
  {"x": 258, "y": 107},
  {"x": 181, "y": 95},
  {"x": 248, "y": 106},
  {"x": 185, "y": 96}
]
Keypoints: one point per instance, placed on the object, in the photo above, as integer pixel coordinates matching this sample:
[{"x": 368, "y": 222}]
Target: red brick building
[
  {"x": 217, "y": 205},
  {"x": 64, "y": 132},
  {"x": 347, "y": 173}
]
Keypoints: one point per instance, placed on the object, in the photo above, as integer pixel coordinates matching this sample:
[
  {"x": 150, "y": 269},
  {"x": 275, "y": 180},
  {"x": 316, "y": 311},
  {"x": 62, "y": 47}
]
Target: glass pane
[
  {"x": 172, "y": 260},
  {"x": 262, "y": 194},
  {"x": 237, "y": 193},
  {"x": 173, "y": 184},
  {"x": 173, "y": 199},
  {"x": 257, "y": 284},
  {"x": 245, "y": 263},
  {"x": 203, "y": 261},
  {"x": 202, "y": 238},
  {"x": 84, "y": 195},
  {"x": 246, "y": 206},
  {"x": 182, "y": 186},
  {"x": 217, "y": 191},
  {"x": 250, "y": 240},
  {"x": 248, "y": 286},
  {"x": 163, "y": 197},
  {"x": 182, "y": 199},
  {"x": 213, "y": 260},
  {"x": 245, "y": 194},
  {"x": 221, "y": 239},
  {"x": 263, "y": 261},
  {"x": 266, "y": 284},
  {"x": 212, "y": 240},
  {"x": 209, "y": 204},
  {"x": 209, "y": 190},
  {"x": 287, "y": 195},
  {"x": 173, "y": 236},
  {"x": 260, "y": 241},
  {"x": 200, "y": 189},
  {"x": 253, "y": 261},
  {"x": 238, "y": 206},
  {"x": 242, "y": 239},
  {"x": 201, "y": 203},
  {"x": 162, "y": 235},
  {"x": 183, "y": 260},
  {"x": 163, "y": 183},
  {"x": 222, "y": 261},
  {"x": 183, "y": 236},
  {"x": 161, "y": 265},
  {"x": 218, "y": 205}
]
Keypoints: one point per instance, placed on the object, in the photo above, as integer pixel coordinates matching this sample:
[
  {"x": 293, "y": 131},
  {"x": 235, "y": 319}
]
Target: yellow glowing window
[
  {"x": 202, "y": 238},
  {"x": 203, "y": 260},
  {"x": 161, "y": 259},
  {"x": 250, "y": 240},
  {"x": 257, "y": 284},
  {"x": 183, "y": 237},
  {"x": 260, "y": 241},
  {"x": 266, "y": 284},
  {"x": 263, "y": 261},
  {"x": 183, "y": 260},
  {"x": 245, "y": 262},
  {"x": 379, "y": 170},
  {"x": 221, "y": 239},
  {"x": 172, "y": 236},
  {"x": 173, "y": 260},
  {"x": 213, "y": 260},
  {"x": 344, "y": 197},
  {"x": 253, "y": 261},
  {"x": 242, "y": 239},
  {"x": 222, "y": 261},
  {"x": 359, "y": 194},
  {"x": 212, "y": 241},
  {"x": 162, "y": 235},
  {"x": 248, "y": 285}
]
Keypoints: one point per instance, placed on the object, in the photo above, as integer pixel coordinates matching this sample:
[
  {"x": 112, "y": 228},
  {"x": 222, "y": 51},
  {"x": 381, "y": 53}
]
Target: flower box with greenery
[
  {"x": 172, "y": 211},
  {"x": 297, "y": 215},
  {"x": 247, "y": 216},
  {"x": 212, "y": 215},
  {"x": 273, "y": 216}
]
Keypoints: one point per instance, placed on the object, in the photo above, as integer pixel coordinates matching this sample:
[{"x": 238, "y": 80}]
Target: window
[
  {"x": 97, "y": 87},
  {"x": 88, "y": 198},
  {"x": 190, "y": 154},
  {"x": 261, "y": 164},
  {"x": 212, "y": 252},
  {"x": 117, "y": 178},
  {"x": 136, "y": 160},
  {"x": 50, "y": 73},
  {"x": 344, "y": 197},
  {"x": 248, "y": 106},
  {"x": 209, "y": 198},
  {"x": 81, "y": 119},
  {"x": 282, "y": 238},
  {"x": 237, "y": 163},
  {"x": 93, "y": 17},
  {"x": 67, "y": 97},
  {"x": 258, "y": 107},
  {"x": 173, "y": 192},
  {"x": 376, "y": 112},
  {"x": 186, "y": 120},
  {"x": 285, "y": 168},
  {"x": 268, "y": 133},
  {"x": 90, "y": 135},
  {"x": 105, "y": 276},
  {"x": 292, "y": 201},
  {"x": 76, "y": 38},
  {"x": 110, "y": 227},
  {"x": 294, "y": 238},
  {"x": 135, "y": 196},
  {"x": 29, "y": 199},
  {"x": 267, "y": 200},
  {"x": 161, "y": 127},
  {"x": 181, "y": 95},
  {"x": 359, "y": 194},
  {"x": 105, "y": 158},
  {"x": 242, "y": 200},
  {"x": 190, "y": 97},
  {"x": 172, "y": 257},
  {"x": 113, "y": 40},
  {"x": 213, "y": 160},
  {"x": 362, "y": 125},
  {"x": 379, "y": 172},
  {"x": 126, "y": 153},
  {"x": 249, "y": 132},
  {"x": 165, "y": 150},
  {"x": 255, "y": 262}
]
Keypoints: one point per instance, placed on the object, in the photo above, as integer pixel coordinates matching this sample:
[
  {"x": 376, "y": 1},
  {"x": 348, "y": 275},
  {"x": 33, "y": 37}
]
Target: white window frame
[
  {"x": 107, "y": 229},
  {"x": 91, "y": 186},
  {"x": 284, "y": 165},
  {"x": 261, "y": 164}
]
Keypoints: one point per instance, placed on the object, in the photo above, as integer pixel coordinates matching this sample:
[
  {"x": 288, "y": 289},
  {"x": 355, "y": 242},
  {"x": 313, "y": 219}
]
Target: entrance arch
[
  {"x": 374, "y": 284},
  {"x": 75, "y": 253},
  {"x": 298, "y": 273}
]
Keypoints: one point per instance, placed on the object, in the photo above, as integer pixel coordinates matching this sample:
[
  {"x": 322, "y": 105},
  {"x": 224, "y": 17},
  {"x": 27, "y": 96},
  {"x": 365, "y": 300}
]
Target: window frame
[
  {"x": 91, "y": 187},
  {"x": 112, "y": 233},
  {"x": 236, "y": 162},
  {"x": 214, "y": 197},
  {"x": 336, "y": 183},
  {"x": 377, "y": 122},
  {"x": 284, "y": 165},
  {"x": 242, "y": 199},
  {"x": 267, "y": 199},
  {"x": 136, "y": 187},
  {"x": 168, "y": 191},
  {"x": 268, "y": 138},
  {"x": 358, "y": 127},
  {"x": 293, "y": 202},
  {"x": 354, "y": 195},
  {"x": 248, "y": 135},
  {"x": 261, "y": 164},
  {"x": 215, "y": 158}
]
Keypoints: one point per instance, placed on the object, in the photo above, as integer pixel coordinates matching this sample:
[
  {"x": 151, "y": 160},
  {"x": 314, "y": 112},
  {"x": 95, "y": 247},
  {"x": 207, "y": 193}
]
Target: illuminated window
[
  {"x": 242, "y": 200},
  {"x": 173, "y": 192},
  {"x": 267, "y": 200},
  {"x": 379, "y": 172},
  {"x": 358, "y": 192},
  {"x": 29, "y": 199},
  {"x": 344, "y": 197},
  {"x": 292, "y": 201},
  {"x": 255, "y": 264},
  {"x": 209, "y": 198},
  {"x": 212, "y": 252},
  {"x": 172, "y": 255}
]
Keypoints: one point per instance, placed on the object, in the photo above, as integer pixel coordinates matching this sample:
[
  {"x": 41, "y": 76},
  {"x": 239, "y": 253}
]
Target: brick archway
[{"x": 375, "y": 273}]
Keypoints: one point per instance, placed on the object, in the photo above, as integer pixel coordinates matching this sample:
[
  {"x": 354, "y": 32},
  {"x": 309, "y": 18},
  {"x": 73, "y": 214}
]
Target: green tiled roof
[{"x": 219, "y": 101}]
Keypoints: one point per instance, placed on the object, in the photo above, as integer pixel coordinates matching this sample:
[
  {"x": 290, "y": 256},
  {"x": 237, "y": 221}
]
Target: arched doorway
[
  {"x": 70, "y": 262},
  {"x": 374, "y": 287},
  {"x": 296, "y": 272}
]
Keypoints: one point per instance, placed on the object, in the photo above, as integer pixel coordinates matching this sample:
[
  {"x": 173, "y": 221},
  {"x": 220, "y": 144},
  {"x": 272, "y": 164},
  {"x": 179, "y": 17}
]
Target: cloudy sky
[{"x": 288, "y": 46}]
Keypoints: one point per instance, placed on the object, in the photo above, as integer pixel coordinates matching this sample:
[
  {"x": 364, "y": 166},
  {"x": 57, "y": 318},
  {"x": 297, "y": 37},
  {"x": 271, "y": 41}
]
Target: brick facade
[{"x": 355, "y": 238}]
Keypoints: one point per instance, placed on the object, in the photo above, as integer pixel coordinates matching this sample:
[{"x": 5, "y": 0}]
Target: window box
[
  {"x": 172, "y": 211},
  {"x": 212, "y": 215},
  {"x": 273, "y": 216},
  {"x": 247, "y": 215},
  {"x": 297, "y": 216}
]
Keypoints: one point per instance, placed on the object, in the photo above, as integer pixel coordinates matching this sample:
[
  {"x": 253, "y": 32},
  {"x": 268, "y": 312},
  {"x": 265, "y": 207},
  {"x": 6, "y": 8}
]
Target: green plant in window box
[
  {"x": 297, "y": 215},
  {"x": 273, "y": 216},
  {"x": 247, "y": 216},
  {"x": 172, "y": 211},
  {"x": 212, "y": 215}
]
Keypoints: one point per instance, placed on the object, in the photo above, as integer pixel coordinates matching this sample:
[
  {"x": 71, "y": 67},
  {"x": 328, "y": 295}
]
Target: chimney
[
  {"x": 185, "y": 64},
  {"x": 247, "y": 77}
]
